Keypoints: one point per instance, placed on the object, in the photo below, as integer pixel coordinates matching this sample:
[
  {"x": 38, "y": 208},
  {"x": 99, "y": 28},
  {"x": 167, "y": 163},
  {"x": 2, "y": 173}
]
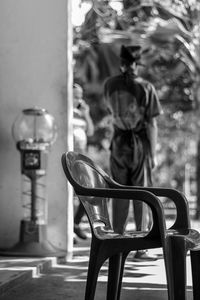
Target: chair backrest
[{"x": 83, "y": 173}]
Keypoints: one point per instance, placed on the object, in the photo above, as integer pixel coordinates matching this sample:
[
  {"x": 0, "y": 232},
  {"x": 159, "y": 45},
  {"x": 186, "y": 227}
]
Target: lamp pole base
[{"x": 33, "y": 243}]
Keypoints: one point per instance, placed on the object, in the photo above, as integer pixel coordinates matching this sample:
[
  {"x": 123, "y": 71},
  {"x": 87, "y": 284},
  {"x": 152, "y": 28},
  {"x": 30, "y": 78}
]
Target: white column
[
  {"x": 70, "y": 211},
  {"x": 35, "y": 70}
]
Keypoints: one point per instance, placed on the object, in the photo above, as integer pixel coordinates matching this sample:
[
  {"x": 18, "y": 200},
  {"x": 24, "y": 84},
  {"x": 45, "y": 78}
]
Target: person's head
[
  {"x": 77, "y": 94},
  {"x": 130, "y": 57}
]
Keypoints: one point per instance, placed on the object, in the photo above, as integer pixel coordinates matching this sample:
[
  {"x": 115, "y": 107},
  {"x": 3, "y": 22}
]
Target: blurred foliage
[{"x": 169, "y": 34}]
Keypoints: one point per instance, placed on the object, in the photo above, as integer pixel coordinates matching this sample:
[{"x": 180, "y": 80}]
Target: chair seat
[
  {"x": 192, "y": 236},
  {"x": 110, "y": 234}
]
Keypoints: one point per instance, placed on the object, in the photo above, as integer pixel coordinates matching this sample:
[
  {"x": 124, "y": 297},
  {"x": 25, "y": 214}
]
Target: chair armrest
[
  {"x": 181, "y": 203},
  {"x": 159, "y": 226},
  {"x": 179, "y": 199}
]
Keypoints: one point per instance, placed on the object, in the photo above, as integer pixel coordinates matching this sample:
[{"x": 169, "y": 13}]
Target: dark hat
[{"x": 130, "y": 53}]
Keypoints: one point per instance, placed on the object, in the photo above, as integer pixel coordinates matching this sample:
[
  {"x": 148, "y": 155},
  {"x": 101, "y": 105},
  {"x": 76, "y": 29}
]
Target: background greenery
[{"x": 169, "y": 33}]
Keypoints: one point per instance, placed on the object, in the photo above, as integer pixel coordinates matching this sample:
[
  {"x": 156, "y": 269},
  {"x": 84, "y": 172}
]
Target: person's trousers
[
  {"x": 129, "y": 168},
  {"x": 121, "y": 212},
  {"x": 79, "y": 214}
]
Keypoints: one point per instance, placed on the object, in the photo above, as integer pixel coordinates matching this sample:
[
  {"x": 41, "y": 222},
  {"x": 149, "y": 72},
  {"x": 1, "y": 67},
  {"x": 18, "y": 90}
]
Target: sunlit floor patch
[{"x": 145, "y": 289}]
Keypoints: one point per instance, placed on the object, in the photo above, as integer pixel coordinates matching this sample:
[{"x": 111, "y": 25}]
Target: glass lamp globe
[{"x": 35, "y": 126}]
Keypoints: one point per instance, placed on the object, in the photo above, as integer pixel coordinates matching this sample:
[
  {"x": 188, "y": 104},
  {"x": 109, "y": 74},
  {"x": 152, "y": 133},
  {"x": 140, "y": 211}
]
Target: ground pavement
[{"x": 45, "y": 279}]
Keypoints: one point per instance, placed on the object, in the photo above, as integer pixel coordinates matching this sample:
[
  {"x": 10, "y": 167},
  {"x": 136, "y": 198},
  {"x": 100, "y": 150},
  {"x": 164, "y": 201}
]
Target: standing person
[
  {"x": 82, "y": 128},
  {"x": 133, "y": 104}
]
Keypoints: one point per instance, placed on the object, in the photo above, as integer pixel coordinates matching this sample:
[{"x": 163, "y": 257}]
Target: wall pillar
[{"x": 35, "y": 70}]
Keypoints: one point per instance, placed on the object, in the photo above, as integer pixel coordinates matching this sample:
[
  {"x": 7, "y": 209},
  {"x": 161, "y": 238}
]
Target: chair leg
[
  {"x": 195, "y": 263},
  {"x": 176, "y": 268},
  {"x": 114, "y": 272},
  {"x": 95, "y": 263},
  {"x": 124, "y": 256}
]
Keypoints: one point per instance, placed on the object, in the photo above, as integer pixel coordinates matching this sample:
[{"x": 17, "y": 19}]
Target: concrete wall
[{"x": 33, "y": 71}]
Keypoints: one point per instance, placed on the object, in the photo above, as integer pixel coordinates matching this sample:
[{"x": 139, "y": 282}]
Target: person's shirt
[
  {"x": 79, "y": 131},
  {"x": 132, "y": 101}
]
